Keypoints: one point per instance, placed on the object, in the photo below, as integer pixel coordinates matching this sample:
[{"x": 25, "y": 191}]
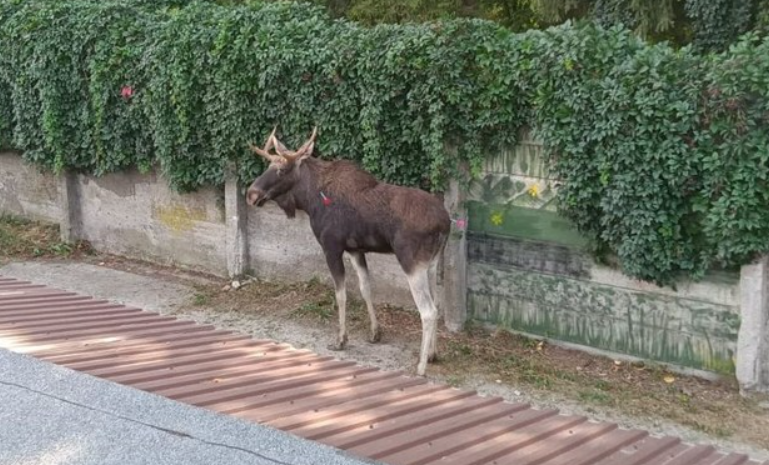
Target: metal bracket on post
[{"x": 236, "y": 224}]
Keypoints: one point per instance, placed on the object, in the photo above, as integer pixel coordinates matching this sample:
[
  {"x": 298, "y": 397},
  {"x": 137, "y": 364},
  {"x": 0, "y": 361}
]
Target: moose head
[{"x": 281, "y": 175}]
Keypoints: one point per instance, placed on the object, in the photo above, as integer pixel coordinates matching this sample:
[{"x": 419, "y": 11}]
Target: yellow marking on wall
[{"x": 179, "y": 218}]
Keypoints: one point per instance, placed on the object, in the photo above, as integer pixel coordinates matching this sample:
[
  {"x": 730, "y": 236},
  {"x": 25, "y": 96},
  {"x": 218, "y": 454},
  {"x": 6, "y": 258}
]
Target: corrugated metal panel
[{"x": 381, "y": 415}]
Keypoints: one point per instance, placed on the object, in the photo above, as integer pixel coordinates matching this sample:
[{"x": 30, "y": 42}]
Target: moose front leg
[
  {"x": 364, "y": 281},
  {"x": 336, "y": 266}
]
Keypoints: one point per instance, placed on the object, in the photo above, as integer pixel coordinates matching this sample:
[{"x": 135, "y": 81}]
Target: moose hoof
[
  {"x": 375, "y": 336},
  {"x": 340, "y": 344}
]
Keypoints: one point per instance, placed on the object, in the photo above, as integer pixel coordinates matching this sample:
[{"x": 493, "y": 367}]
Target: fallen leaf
[{"x": 669, "y": 379}]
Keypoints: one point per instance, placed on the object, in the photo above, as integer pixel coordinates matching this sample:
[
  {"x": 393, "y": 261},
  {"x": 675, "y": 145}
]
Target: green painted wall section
[
  {"x": 685, "y": 332},
  {"x": 526, "y": 159},
  {"x": 522, "y": 191},
  {"x": 521, "y": 222},
  {"x": 527, "y": 272}
]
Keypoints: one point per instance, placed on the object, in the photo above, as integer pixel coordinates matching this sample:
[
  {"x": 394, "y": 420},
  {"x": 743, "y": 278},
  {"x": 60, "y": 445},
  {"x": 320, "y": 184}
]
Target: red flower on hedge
[{"x": 127, "y": 92}]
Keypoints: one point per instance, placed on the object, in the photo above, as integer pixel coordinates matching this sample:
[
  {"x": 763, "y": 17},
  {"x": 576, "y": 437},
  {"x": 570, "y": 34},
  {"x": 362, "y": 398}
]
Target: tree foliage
[
  {"x": 709, "y": 24},
  {"x": 718, "y": 23},
  {"x": 663, "y": 152},
  {"x": 516, "y": 14}
]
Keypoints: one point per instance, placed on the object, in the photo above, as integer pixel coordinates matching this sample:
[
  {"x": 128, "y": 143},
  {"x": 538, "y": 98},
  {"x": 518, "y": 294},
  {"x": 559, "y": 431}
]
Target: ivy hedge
[{"x": 663, "y": 152}]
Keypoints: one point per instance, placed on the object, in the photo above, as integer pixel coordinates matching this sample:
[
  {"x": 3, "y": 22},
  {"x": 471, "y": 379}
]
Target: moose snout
[{"x": 255, "y": 197}]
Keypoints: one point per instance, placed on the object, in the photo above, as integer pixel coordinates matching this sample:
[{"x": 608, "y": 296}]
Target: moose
[{"x": 351, "y": 211}]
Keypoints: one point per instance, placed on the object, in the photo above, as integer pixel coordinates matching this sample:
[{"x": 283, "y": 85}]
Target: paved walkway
[
  {"x": 371, "y": 413},
  {"x": 50, "y": 415}
]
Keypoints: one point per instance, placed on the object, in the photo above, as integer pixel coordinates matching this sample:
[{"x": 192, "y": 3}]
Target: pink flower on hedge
[
  {"x": 461, "y": 223},
  {"x": 127, "y": 92}
]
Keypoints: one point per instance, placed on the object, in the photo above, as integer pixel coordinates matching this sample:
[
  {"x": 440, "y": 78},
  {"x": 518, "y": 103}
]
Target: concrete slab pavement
[
  {"x": 148, "y": 293},
  {"x": 50, "y": 415}
]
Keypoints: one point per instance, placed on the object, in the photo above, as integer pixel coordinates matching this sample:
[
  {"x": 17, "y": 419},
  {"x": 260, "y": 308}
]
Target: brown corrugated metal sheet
[{"x": 376, "y": 414}]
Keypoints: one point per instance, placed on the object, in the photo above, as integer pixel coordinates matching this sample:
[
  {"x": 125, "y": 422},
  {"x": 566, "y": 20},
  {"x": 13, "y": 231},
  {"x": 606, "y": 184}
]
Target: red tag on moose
[{"x": 326, "y": 200}]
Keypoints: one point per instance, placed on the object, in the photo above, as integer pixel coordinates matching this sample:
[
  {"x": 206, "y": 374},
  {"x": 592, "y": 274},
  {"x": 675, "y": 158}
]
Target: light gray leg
[
  {"x": 364, "y": 280},
  {"x": 341, "y": 303},
  {"x": 336, "y": 266},
  {"x": 433, "y": 355},
  {"x": 419, "y": 282}
]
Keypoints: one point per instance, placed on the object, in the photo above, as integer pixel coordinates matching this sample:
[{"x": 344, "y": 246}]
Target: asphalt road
[{"x": 50, "y": 415}]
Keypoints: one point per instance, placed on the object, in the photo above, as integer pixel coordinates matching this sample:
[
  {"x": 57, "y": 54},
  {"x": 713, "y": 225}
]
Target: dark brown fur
[{"x": 364, "y": 215}]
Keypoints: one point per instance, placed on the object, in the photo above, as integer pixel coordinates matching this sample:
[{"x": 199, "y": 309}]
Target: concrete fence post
[
  {"x": 236, "y": 235},
  {"x": 69, "y": 205},
  {"x": 752, "y": 366},
  {"x": 452, "y": 279}
]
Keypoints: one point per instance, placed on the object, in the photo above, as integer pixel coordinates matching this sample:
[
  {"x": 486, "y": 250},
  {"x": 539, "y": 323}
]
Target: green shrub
[
  {"x": 618, "y": 114},
  {"x": 733, "y": 146},
  {"x": 207, "y": 79},
  {"x": 662, "y": 152}
]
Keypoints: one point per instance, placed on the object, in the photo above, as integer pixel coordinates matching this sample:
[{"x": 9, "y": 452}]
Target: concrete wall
[
  {"x": 25, "y": 191},
  {"x": 138, "y": 215},
  {"x": 519, "y": 265},
  {"x": 528, "y": 271}
]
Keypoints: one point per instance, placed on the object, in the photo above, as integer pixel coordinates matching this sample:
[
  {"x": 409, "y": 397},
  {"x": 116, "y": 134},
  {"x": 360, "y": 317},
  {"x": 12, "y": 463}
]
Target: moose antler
[
  {"x": 265, "y": 152},
  {"x": 280, "y": 149},
  {"x": 304, "y": 150}
]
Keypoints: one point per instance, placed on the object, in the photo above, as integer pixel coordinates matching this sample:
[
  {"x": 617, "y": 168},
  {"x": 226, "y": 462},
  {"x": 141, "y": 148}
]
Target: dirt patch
[
  {"x": 603, "y": 385},
  {"x": 492, "y": 362},
  {"x": 26, "y": 240}
]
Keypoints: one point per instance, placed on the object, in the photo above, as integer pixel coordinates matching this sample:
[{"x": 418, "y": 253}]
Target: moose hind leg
[
  {"x": 433, "y": 271},
  {"x": 419, "y": 282},
  {"x": 336, "y": 266},
  {"x": 364, "y": 281}
]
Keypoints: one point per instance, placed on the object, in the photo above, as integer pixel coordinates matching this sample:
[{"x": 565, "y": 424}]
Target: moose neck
[{"x": 307, "y": 193}]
